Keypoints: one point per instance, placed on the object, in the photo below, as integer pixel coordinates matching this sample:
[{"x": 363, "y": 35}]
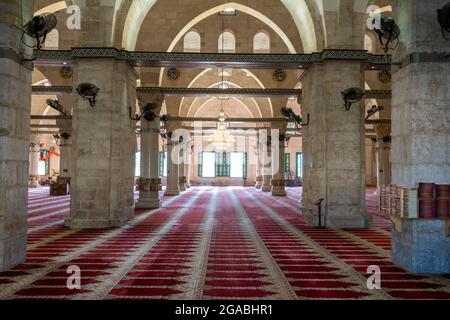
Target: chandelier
[{"x": 221, "y": 138}]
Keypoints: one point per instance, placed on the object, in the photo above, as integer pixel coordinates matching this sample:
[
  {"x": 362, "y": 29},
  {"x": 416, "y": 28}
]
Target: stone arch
[{"x": 139, "y": 10}]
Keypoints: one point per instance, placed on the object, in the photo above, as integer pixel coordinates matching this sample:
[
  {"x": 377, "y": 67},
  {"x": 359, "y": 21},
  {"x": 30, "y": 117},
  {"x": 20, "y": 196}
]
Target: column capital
[
  {"x": 383, "y": 130},
  {"x": 144, "y": 98}
]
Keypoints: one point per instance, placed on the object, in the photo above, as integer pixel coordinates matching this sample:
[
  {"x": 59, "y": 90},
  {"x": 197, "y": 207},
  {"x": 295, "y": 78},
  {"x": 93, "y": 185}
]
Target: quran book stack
[{"x": 408, "y": 200}]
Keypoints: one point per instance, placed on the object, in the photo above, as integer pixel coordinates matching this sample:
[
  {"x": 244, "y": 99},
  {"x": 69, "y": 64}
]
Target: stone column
[
  {"x": 278, "y": 182},
  {"x": 182, "y": 172},
  {"x": 187, "y": 166},
  {"x": 173, "y": 161},
  {"x": 35, "y": 154},
  {"x": 104, "y": 143},
  {"x": 383, "y": 150},
  {"x": 259, "y": 178},
  {"x": 265, "y": 147},
  {"x": 333, "y": 146},
  {"x": 15, "y": 102},
  {"x": 150, "y": 182},
  {"x": 420, "y": 96},
  {"x": 65, "y": 148}
]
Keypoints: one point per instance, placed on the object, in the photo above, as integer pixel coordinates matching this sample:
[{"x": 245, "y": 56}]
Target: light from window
[
  {"x": 227, "y": 42},
  {"x": 52, "y": 40},
  {"x": 137, "y": 168},
  {"x": 209, "y": 164},
  {"x": 237, "y": 165},
  {"x": 261, "y": 43},
  {"x": 192, "y": 42},
  {"x": 368, "y": 44},
  {"x": 41, "y": 168},
  {"x": 299, "y": 165}
]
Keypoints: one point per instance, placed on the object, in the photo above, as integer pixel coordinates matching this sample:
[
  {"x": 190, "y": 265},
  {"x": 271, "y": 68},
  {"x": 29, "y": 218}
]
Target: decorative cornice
[
  {"x": 186, "y": 92},
  {"x": 8, "y": 53},
  {"x": 378, "y": 94},
  {"x": 253, "y": 92},
  {"x": 208, "y": 60},
  {"x": 424, "y": 57},
  {"x": 50, "y": 90}
]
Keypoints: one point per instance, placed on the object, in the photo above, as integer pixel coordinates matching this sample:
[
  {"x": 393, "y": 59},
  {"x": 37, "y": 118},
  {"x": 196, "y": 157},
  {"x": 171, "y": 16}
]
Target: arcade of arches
[{"x": 159, "y": 208}]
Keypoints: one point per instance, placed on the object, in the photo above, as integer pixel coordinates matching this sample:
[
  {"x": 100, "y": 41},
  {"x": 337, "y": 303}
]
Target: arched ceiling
[{"x": 302, "y": 18}]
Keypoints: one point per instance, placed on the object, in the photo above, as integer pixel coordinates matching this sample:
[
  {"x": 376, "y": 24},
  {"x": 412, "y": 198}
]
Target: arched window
[
  {"x": 227, "y": 42},
  {"x": 192, "y": 42},
  {"x": 52, "y": 40},
  {"x": 261, "y": 43},
  {"x": 368, "y": 43}
]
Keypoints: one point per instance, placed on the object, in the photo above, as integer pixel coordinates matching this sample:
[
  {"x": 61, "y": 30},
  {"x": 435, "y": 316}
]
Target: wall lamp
[
  {"x": 54, "y": 104},
  {"x": 373, "y": 110},
  {"x": 289, "y": 114}
]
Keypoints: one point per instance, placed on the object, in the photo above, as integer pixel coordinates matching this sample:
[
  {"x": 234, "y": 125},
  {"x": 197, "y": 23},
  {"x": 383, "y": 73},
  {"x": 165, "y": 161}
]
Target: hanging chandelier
[{"x": 221, "y": 138}]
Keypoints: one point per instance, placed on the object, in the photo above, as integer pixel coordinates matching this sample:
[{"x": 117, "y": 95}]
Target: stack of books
[{"x": 408, "y": 203}]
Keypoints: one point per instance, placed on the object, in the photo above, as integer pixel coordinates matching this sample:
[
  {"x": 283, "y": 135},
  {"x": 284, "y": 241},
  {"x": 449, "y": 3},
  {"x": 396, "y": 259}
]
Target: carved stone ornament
[{"x": 279, "y": 75}]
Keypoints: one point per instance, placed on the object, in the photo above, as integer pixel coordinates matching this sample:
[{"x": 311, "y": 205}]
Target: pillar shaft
[
  {"x": 65, "y": 148},
  {"x": 420, "y": 95},
  {"x": 182, "y": 172},
  {"x": 278, "y": 147},
  {"x": 334, "y": 148},
  {"x": 259, "y": 177},
  {"x": 150, "y": 182},
  {"x": 266, "y": 160},
  {"x": 103, "y": 147},
  {"x": 173, "y": 188},
  {"x": 35, "y": 154},
  {"x": 15, "y": 102}
]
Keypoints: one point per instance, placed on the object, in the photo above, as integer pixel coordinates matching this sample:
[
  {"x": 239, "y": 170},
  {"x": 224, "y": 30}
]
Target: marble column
[
  {"x": 259, "y": 178},
  {"x": 420, "y": 96},
  {"x": 187, "y": 166},
  {"x": 278, "y": 182},
  {"x": 65, "y": 148},
  {"x": 383, "y": 150},
  {"x": 150, "y": 183},
  {"x": 334, "y": 146},
  {"x": 173, "y": 163},
  {"x": 35, "y": 155},
  {"x": 182, "y": 172},
  {"x": 104, "y": 142},
  {"x": 265, "y": 147},
  {"x": 15, "y": 103}
]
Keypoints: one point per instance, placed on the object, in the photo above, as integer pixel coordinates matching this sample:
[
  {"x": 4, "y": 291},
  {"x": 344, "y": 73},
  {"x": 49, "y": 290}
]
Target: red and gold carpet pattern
[{"x": 211, "y": 243}]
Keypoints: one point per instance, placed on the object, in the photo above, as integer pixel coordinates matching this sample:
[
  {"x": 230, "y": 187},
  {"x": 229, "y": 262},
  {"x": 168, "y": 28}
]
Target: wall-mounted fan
[
  {"x": 54, "y": 104},
  {"x": 89, "y": 92},
  {"x": 444, "y": 20},
  {"x": 147, "y": 113},
  {"x": 352, "y": 95},
  {"x": 388, "y": 31},
  {"x": 39, "y": 27},
  {"x": 289, "y": 114}
]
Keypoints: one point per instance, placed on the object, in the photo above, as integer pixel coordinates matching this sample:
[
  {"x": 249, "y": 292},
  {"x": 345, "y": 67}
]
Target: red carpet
[{"x": 211, "y": 243}]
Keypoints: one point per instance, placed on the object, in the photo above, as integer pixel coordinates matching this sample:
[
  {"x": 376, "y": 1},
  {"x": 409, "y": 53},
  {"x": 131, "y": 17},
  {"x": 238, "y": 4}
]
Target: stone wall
[
  {"x": 103, "y": 148},
  {"x": 15, "y": 102}
]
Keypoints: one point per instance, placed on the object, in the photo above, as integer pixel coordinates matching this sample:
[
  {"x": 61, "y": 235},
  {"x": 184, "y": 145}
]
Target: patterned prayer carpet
[{"x": 211, "y": 243}]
